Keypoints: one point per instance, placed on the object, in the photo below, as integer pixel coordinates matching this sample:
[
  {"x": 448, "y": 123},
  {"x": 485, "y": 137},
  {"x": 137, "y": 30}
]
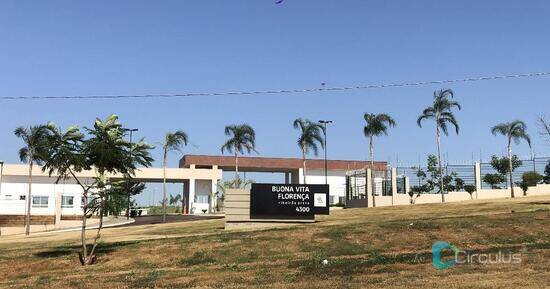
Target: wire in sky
[{"x": 284, "y": 91}]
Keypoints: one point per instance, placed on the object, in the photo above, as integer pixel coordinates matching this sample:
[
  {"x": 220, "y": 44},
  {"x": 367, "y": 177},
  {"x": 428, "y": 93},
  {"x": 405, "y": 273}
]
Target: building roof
[{"x": 266, "y": 164}]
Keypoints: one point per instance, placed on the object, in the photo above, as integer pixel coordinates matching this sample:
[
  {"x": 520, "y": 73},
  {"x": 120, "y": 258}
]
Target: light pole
[
  {"x": 131, "y": 130},
  {"x": 324, "y": 124}
]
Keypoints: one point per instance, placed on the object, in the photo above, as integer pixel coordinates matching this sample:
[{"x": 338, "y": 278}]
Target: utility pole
[
  {"x": 131, "y": 130},
  {"x": 324, "y": 124}
]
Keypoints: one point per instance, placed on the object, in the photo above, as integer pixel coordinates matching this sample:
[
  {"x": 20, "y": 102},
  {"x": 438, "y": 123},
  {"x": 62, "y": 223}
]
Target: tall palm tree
[
  {"x": 515, "y": 130},
  {"x": 241, "y": 138},
  {"x": 173, "y": 141},
  {"x": 441, "y": 113},
  {"x": 33, "y": 152},
  {"x": 311, "y": 133},
  {"x": 377, "y": 125}
]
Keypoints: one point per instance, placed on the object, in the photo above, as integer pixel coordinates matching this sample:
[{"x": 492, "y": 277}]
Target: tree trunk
[
  {"x": 29, "y": 200},
  {"x": 304, "y": 164},
  {"x": 83, "y": 231},
  {"x": 90, "y": 259},
  {"x": 510, "y": 167},
  {"x": 128, "y": 200},
  {"x": 164, "y": 187},
  {"x": 372, "y": 172},
  {"x": 439, "y": 162},
  {"x": 237, "y": 178}
]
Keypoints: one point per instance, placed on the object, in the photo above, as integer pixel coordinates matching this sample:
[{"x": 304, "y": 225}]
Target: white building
[
  {"x": 52, "y": 202},
  {"x": 198, "y": 174},
  {"x": 291, "y": 168}
]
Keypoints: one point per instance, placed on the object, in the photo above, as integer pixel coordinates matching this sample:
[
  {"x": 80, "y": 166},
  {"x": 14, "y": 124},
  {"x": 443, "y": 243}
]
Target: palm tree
[
  {"x": 516, "y": 131},
  {"x": 377, "y": 125},
  {"x": 441, "y": 113},
  {"x": 34, "y": 151},
  {"x": 311, "y": 133},
  {"x": 241, "y": 138},
  {"x": 173, "y": 141}
]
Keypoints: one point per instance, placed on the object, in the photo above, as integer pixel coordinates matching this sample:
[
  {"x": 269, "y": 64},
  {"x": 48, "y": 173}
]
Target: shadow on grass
[{"x": 64, "y": 251}]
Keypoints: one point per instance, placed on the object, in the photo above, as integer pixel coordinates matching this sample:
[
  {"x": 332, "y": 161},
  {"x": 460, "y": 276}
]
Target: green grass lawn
[{"x": 365, "y": 248}]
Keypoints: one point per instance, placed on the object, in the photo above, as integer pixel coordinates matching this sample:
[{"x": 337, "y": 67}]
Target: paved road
[{"x": 157, "y": 219}]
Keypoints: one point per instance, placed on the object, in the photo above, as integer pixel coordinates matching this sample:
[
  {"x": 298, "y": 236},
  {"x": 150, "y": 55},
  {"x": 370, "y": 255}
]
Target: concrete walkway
[{"x": 65, "y": 226}]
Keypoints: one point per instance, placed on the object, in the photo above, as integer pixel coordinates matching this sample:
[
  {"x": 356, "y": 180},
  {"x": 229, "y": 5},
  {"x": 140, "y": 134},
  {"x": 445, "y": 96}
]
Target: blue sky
[{"x": 146, "y": 47}]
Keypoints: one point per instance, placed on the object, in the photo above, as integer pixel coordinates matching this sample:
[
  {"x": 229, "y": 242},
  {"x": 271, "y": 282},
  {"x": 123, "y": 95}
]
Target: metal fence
[
  {"x": 537, "y": 164},
  {"x": 356, "y": 182}
]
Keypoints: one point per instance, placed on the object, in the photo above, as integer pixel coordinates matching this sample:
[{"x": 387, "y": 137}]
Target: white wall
[
  {"x": 11, "y": 204},
  {"x": 203, "y": 192},
  {"x": 336, "y": 181}
]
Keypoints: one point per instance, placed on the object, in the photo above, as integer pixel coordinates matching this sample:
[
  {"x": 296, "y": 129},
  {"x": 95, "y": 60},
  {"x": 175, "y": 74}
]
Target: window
[
  {"x": 201, "y": 199},
  {"x": 39, "y": 201},
  {"x": 67, "y": 201}
]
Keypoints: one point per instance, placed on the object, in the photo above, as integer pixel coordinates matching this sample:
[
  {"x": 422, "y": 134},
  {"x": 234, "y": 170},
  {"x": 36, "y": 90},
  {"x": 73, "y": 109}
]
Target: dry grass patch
[{"x": 365, "y": 248}]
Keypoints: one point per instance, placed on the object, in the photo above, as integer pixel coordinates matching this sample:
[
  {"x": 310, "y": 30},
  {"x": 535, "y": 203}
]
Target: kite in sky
[{"x": 279, "y": 1}]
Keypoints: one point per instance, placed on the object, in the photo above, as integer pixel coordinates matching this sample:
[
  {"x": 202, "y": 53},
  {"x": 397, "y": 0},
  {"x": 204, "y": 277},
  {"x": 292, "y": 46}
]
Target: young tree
[
  {"x": 173, "y": 141},
  {"x": 470, "y": 189},
  {"x": 104, "y": 150},
  {"x": 311, "y": 134},
  {"x": 33, "y": 152},
  {"x": 544, "y": 126},
  {"x": 547, "y": 173},
  {"x": 242, "y": 138},
  {"x": 441, "y": 113},
  {"x": 493, "y": 180},
  {"x": 376, "y": 125},
  {"x": 514, "y": 131},
  {"x": 529, "y": 179}
]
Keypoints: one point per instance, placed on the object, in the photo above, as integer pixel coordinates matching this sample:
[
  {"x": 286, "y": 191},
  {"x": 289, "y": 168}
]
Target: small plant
[
  {"x": 529, "y": 179},
  {"x": 470, "y": 189},
  {"x": 493, "y": 180}
]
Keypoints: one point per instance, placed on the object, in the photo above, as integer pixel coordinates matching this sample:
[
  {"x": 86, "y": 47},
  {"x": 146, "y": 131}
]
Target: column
[
  {"x": 393, "y": 184},
  {"x": 213, "y": 195},
  {"x": 477, "y": 174},
  {"x": 407, "y": 185},
  {"x": 191, "y": 195},
  {"x": 287, "y": 178},
  {"x": 57, "y": 208},
  {"x": 368, "y": 185}
]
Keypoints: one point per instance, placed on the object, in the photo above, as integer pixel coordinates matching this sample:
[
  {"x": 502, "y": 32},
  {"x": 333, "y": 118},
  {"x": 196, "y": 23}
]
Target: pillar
[
  {"x": 287, "y": 178},
  {"x": 213, "y": 198},
  {"x": 477, "y": 174},
  {"x": 393, "y": 184},
  {"x": 407, "y": 185},
  {"x": 58, "y": 201},
  {"x": 191, "y": 195},
  {"x": 368, "y": 185}
]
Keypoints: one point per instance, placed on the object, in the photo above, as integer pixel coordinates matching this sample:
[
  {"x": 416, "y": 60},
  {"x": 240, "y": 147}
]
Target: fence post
[
  {"x": 477, "y": 174},
  {"x": 393, "y": 184},
  {"x": 368, "y": 185},
  {"x": 407, "y": 185}
]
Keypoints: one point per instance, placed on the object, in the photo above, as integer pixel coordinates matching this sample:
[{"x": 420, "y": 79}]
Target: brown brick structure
[
  {"x": 262, "y": 164},
  {"x": 19, "y": 220}
]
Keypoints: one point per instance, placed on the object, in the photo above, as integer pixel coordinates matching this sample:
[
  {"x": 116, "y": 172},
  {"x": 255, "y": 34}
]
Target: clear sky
[{"x": 52, "y": 48}]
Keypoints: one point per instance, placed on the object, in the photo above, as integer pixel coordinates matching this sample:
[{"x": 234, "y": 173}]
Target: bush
[
  {"x": 529, "y": 179},
  {"x": 470, "y": 189},
  {"x": 493, "y": 180}
]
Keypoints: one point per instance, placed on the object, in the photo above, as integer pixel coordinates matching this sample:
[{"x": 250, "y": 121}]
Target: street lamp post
[
  {"x": 131, "y": 130},
  {"x": 324, "y": 123}
]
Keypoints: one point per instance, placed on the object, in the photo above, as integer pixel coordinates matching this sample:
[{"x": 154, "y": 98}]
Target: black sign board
[{"x": 286, "y": 201}]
